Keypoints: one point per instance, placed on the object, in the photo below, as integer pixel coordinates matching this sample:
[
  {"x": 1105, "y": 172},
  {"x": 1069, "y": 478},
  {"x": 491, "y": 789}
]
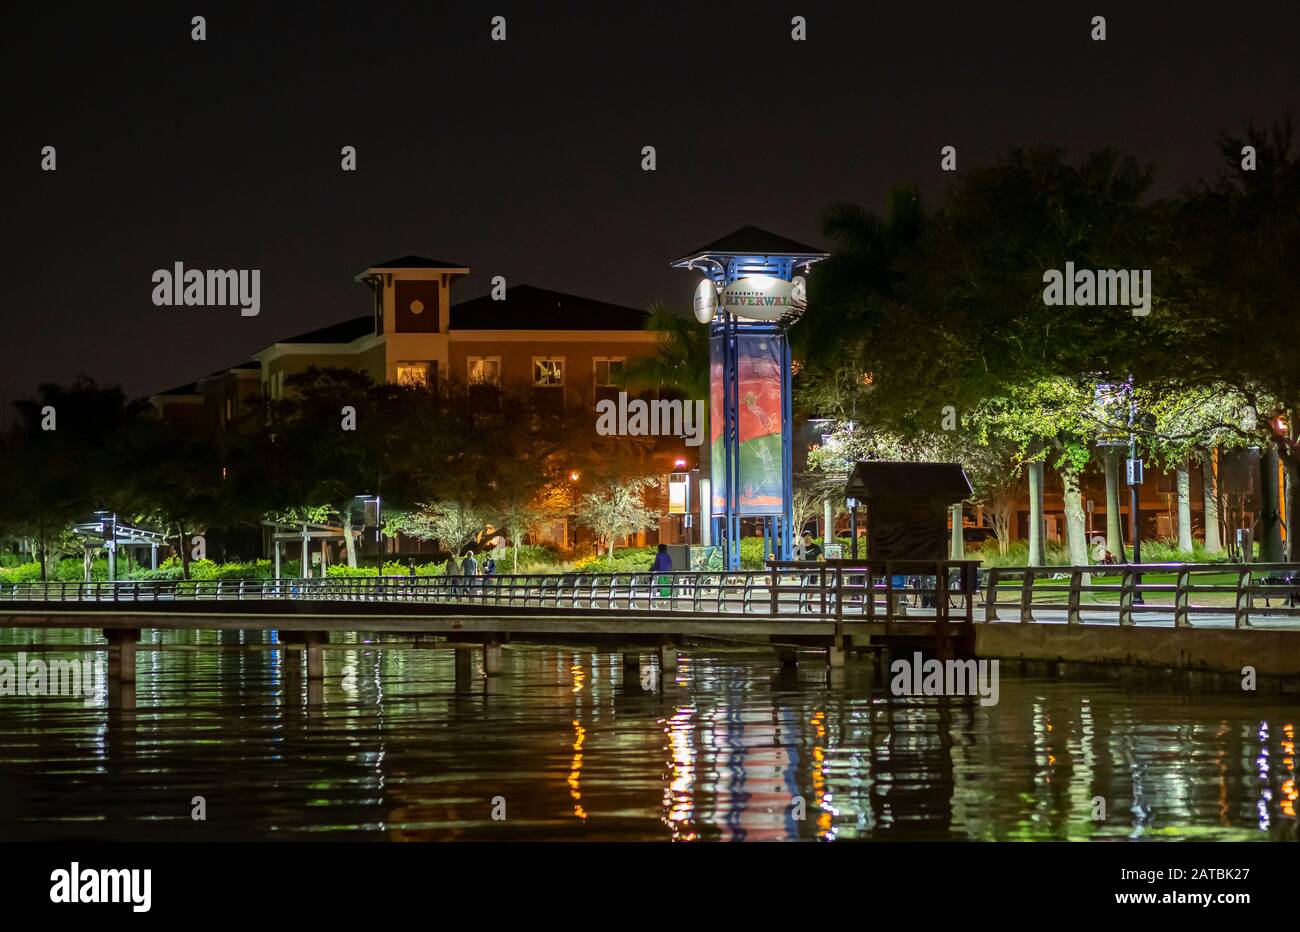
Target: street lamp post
[
  {"x": 1134, "y": 489},
  {"x": 108, "y": 527},
  {"x": 853, "y": 527}
]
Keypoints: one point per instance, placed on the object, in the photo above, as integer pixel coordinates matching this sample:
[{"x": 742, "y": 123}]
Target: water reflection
[{"x": 413, "y": 743}]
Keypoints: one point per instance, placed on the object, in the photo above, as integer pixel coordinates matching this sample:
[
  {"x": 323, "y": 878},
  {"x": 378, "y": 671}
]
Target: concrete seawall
[{"x": 1211, "y": 657}]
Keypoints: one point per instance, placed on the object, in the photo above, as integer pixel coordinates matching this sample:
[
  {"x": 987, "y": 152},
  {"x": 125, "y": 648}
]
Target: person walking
[{"x": 663, "y": 564}]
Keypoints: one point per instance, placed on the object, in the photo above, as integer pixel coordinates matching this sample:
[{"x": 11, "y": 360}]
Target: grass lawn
[{"x": 1010, "y": 591}]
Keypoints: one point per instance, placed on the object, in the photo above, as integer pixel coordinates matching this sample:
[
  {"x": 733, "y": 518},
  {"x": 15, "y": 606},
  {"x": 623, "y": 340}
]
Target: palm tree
[
  {"x": 852, "y": 294},
  {"x": 681, "y": 360}
]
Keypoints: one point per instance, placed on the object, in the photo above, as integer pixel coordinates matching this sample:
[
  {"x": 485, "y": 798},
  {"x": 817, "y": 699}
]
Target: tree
[
  {"x": 995, "y": 466},
  {"x": 680, "y": 361},
  {"x": 953, "y": 321},
  {"x": 1228, "y": 323},
  {"x": 1188, "y": 425},
  {"x": 518, "y": 515},
  {"x": 329, "y": 434},
  {"x": 68, "y": 455},
  {"x": 456, "y": 525},
  {"x": 616, "y": 507},
  {"x": 857, "y": 295},
  {"x": 181, "y": 486}
]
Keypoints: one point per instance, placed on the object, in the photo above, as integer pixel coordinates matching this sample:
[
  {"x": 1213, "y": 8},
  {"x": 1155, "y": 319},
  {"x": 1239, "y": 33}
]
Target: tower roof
[
  {"x": 413, "y": 262},
  {"x": 418, "y": 262},
  {"x": 752, "y": 241}
]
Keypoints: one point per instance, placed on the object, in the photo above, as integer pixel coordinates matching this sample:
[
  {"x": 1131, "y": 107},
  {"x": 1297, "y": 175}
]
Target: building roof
[
  {"x": 418, "y": 262},
  {"x": 190, "y": 388},
  {"x": 345, "y": 331},
  {"x": 752, "y": 241},
  {"x": 527, "y": 307},
  {"x": 945, "y": 482}
]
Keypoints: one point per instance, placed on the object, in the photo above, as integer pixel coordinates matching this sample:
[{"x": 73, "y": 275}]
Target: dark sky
[{"x": 522, "y": 158}]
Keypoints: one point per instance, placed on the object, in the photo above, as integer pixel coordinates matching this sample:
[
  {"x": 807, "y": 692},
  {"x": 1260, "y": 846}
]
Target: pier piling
[
  {"x": 492, "y": 656},
  {"x": 121, "y": 653}
]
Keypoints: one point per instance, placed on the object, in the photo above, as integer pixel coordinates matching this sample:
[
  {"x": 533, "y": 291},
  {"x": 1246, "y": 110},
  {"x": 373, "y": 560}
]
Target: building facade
[{"x": 565, "y": 349}]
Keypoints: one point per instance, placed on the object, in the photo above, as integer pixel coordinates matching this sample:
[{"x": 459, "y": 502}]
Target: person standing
[
  {"x": 453, "y": 570},
  {"x": 469, "y": 569},
  {"x": 811, "y": 553}
]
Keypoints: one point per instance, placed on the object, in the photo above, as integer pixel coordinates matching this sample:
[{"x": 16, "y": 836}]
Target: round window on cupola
[{"x": 417, "y": 306}]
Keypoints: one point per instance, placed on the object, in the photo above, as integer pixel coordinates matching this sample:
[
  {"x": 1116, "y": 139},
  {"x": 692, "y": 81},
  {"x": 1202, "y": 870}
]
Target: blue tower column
[
  {"x": 749, "y": 252},
  {"x": 788, "y": 530},
  {"x": 778, "y": 524}
]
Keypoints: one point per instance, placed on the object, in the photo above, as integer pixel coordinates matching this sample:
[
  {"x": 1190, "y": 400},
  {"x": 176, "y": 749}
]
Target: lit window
[
  {"x": 608, "y": 369},
  {"x": 413, "y": 374},
  {"x": 484, "y": 370},
  {"x": 548, "y": 372}
]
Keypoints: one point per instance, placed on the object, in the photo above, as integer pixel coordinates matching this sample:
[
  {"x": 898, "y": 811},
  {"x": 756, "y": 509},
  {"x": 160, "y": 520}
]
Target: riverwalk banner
[{"x": 760, "y": 480}]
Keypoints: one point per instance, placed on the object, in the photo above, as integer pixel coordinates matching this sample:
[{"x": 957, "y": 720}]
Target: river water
[{"x": 566, "y": 746}]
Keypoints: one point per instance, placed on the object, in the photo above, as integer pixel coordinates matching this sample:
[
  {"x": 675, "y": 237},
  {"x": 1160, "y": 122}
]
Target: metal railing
[
  {"x": 891, "y": 591},
  {"x": 886, "y": 592},
  {"x": 1121, "y": 589}
]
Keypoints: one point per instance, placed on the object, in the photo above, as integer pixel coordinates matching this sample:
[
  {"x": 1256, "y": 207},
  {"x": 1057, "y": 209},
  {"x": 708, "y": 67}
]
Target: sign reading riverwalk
[{"x": 762, "y": 297}]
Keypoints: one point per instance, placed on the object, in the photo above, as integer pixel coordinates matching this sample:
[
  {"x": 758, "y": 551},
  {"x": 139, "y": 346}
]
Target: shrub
[
  {"x": 73, "y": 569},
  {"x": 167, "y": 571},
  {"x": 539, "y": 558},
  {"x": 1165, "y": 550},
  {"x": 628, "y": 560},
  {"x": 24, "y": 572},
  {"x": 751, "y": 553},
  {"x": 342, "y": 569},
  {"x": 402, "y": 568}
]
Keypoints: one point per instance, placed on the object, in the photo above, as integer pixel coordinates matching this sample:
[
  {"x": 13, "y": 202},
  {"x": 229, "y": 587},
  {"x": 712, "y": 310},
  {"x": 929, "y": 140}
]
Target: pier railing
[
  {"x": 1122, "y": 591},
  {"x": 885, "y": 591}
]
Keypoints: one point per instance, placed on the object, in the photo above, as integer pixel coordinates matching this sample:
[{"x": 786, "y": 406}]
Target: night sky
[{"x": 522, "y": 158}]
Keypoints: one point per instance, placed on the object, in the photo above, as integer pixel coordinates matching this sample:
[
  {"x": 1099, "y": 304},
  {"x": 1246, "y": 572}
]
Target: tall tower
[
  {"x": 752, "y": 281},
  {"x": 412, "y": 308}
]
